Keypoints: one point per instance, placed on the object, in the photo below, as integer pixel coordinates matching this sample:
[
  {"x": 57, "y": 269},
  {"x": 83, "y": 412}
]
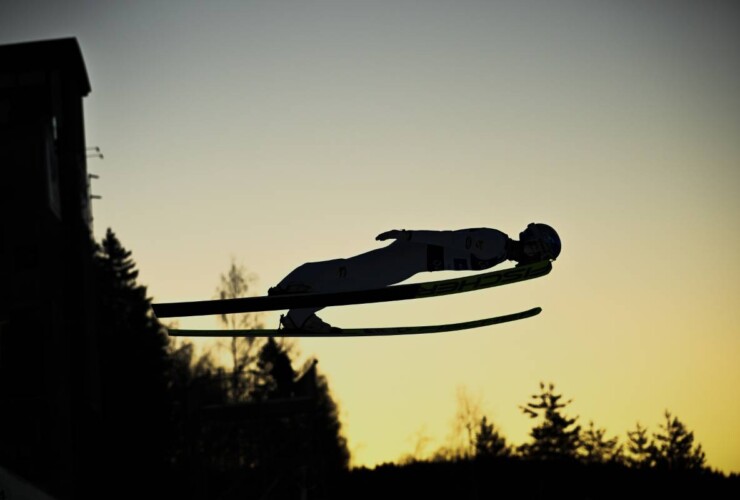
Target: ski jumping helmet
[{"x": 546, "y": 239}]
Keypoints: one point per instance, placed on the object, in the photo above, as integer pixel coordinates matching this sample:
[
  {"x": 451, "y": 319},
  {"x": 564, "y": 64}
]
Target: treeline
[
  {"x": 561, "y": 459},
  {"x": 556, "y": 436},
  {"x": 174, "y": 424}
]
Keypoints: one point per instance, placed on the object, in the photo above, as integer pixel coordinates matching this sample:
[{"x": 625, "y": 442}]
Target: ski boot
[{"x": 312, "y": 324}]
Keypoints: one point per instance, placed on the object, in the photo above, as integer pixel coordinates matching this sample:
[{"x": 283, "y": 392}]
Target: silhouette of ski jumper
[{"x": 412, "y": 252}]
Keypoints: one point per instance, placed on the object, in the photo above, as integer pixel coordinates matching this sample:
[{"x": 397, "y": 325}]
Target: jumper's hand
[{"x": 394, "y": 234}]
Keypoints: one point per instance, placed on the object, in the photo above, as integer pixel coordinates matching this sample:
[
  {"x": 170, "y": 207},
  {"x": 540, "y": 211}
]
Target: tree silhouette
[
  {"x": 274, "y": 372},
  {"x": 467, "y": 419},
  {"x": 639, "y": 448},
  {"x": 420, "y": 440},
  {"x": 674, "y": 447},
  {"x": 556, "y": 437},
  {"x": 234, "y": 284},
  {"x": 305, "y": 446},
  {"x": 133, "y": 363},
  {"x": 331, "y": 445},
  {"x": 489, "y": 443},
  {"x": 192, "y": 383},
  {"x": 596, "y": 449}
]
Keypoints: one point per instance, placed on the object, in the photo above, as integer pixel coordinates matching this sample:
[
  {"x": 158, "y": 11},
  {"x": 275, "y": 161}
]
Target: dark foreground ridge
[{"x": 528, "y": 479}]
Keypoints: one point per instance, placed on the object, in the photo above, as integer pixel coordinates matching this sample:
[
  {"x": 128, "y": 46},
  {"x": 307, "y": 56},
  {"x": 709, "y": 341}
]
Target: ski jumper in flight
[{"x": 412, "y": 252}]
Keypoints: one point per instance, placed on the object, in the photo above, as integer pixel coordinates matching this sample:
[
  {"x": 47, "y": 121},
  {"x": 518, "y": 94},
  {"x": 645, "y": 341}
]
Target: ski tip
[
  {"x": 533, "y": 312},
  {"x": 525, "y": 314}
]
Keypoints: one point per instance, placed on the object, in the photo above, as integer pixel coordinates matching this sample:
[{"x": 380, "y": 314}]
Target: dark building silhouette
[{"x": 49, "y": 382}]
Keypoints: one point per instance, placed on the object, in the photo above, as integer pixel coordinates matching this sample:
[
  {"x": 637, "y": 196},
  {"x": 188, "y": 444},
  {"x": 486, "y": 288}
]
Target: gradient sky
[{"x": 286, "y": 132}]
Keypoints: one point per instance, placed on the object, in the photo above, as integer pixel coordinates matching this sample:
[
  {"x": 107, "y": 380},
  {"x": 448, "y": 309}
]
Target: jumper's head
[{"x": 540, "y": 242}]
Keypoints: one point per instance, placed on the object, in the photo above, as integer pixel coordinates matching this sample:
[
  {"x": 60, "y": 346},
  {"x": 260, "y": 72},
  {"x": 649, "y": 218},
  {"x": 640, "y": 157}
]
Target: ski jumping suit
[{"x": 465, "y": 249}]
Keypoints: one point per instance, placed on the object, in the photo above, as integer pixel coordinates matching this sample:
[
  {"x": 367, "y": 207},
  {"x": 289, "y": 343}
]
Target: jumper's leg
[{"x": 375, "y": 269}]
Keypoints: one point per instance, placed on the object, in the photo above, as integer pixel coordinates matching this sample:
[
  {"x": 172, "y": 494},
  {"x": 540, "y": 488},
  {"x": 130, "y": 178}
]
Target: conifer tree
[
  {"x": 133, "y": 363},
  {"x": 557, "y": 436},
  {"x": 596, "y": 449},
  {"x": 639, "y": 448},
  {"x": 489, "y": 443},
  {"x": 274, "y": 372},
  {"x": 674, "y": 447}
]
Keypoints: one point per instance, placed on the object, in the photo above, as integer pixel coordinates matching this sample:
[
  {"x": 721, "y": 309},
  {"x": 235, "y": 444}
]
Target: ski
[
  {"x": 391, "y": 293},
  {"x": 360, "y": 332}
]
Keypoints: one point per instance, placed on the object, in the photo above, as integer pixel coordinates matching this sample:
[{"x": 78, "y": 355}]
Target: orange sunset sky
[{"x": 284, "y": 132}]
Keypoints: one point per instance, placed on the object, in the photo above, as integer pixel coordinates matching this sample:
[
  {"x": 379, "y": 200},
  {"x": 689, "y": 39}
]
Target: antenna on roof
[{"x": 94, "y": 153}]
